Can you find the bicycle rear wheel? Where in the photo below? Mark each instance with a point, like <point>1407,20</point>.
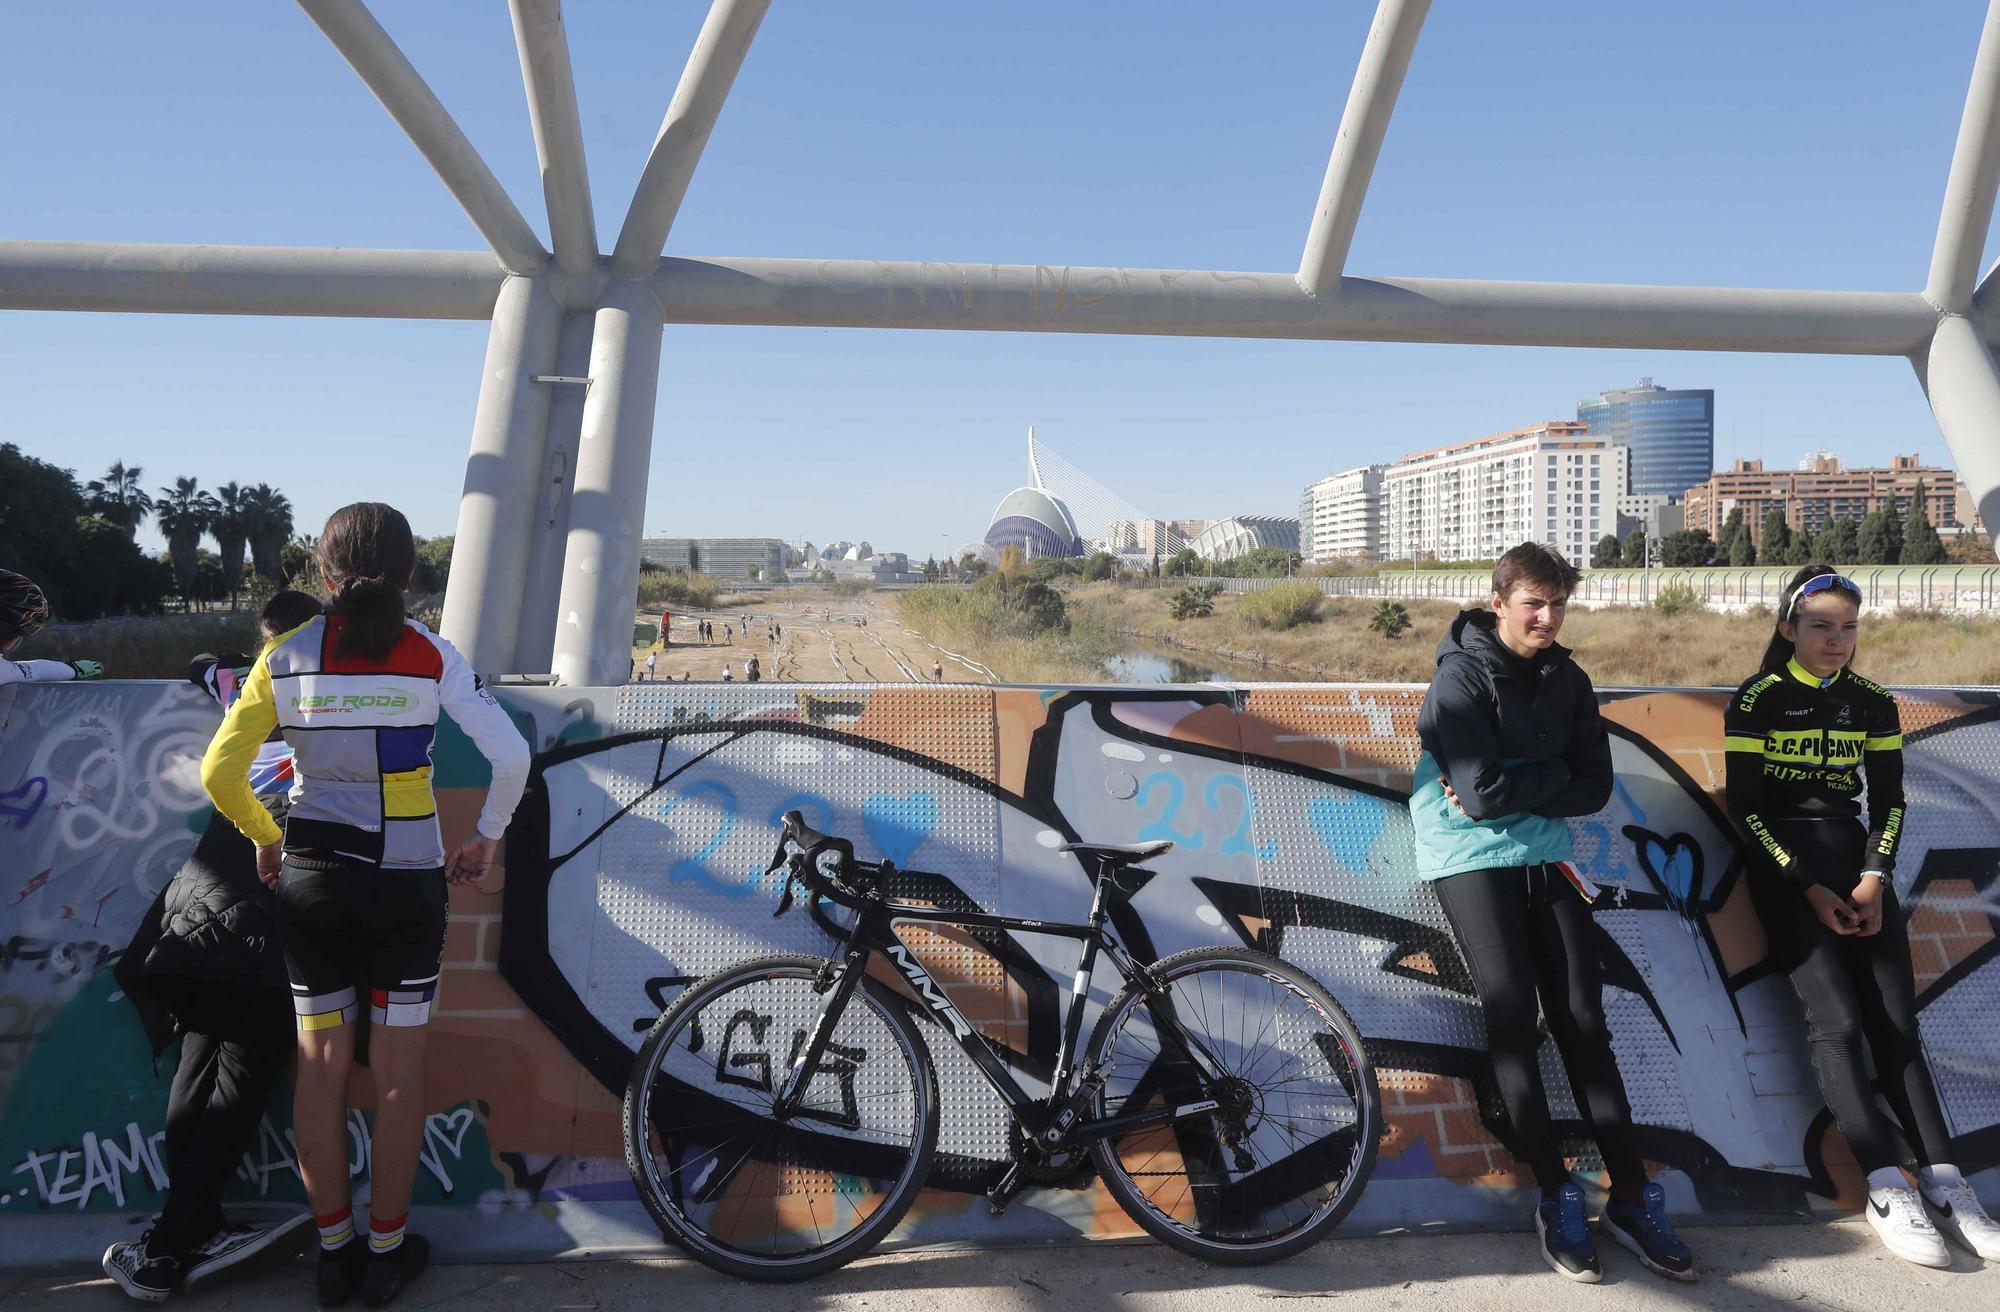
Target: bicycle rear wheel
<point>743,1191</point>
<point>1285,1156</point>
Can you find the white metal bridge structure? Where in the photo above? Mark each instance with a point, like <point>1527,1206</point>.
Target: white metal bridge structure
<point>547,560</point>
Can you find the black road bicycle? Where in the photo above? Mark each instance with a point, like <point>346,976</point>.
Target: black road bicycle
<point>782,1113</point>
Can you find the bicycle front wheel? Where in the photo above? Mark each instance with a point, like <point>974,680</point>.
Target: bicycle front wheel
<point>737,1187</point>
<point>1285,1154</point>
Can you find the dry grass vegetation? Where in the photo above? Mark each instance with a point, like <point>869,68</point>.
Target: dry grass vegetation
<point>1624,647</point>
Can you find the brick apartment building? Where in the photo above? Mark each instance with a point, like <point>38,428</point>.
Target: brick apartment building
<point>1821,490</point>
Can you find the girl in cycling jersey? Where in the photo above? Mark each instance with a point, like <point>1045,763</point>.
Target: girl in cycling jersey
<point>360,867</point>
<point>1802,735</point>
<point>1512,747</point>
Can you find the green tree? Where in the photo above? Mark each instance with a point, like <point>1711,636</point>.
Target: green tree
<point>297,563</point>
<point>1196,601</point>
<point>1392,618</point>
<point>184,512</point>
<point>1876,543</point>
<point>1634,554</point>
<point>87,564</point>
<point>1799,551</point>
<point>1742,550</point>
<point>1606,554</point>
<point>1777,537</point>
<point>971,567</point>
<point>1685,548</point>
<point>433,571</point>
<point>267,519</point>
<point>1184,563</point>
<point>1921,543</point>
<point>1100,566</point>
<point>231,530</point>
<point>1837,543</point>
<point>118,498</point>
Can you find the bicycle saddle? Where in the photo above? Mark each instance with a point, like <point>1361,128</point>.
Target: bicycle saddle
<point>1118,855</point>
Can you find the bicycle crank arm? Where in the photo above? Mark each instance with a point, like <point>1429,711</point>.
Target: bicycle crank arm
<point>1111,1126</point>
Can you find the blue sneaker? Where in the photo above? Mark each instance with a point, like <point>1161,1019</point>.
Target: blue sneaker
<point>1565,1236</point>
<point>1643,1227</point>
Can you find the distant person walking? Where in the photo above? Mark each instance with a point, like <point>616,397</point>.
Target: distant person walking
<point>728,634</point>
<point>751,670</point>
<point>652,664</point>
<point>937,671</point>
<point>728,675</point>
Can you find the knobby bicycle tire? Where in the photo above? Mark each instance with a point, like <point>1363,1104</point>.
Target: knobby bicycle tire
<point>1176,1217</point>
<point>650,1120</point>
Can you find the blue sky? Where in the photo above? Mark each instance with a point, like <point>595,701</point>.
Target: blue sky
<point>1755,144</point>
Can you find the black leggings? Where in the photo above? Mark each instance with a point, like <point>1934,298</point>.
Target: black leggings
<point>1860,1001</point>
<point>1528,937</point>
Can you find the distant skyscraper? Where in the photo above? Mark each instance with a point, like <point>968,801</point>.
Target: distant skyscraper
<point>1668,434</point>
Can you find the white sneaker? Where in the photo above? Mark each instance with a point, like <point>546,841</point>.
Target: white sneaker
<point>1958,1213</point>
<point>1899,1218</point>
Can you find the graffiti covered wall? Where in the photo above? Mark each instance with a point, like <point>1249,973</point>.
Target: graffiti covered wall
<point>636,864</point>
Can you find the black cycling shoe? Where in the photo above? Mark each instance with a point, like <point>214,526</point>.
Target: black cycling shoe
<point>1565,1236</point>
<point>339,1272</point>
<point>389,1272</point>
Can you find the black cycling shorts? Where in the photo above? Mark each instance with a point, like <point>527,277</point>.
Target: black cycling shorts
<point>350,928</point>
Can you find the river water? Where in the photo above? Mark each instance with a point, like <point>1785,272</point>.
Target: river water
<point>1144,665</point>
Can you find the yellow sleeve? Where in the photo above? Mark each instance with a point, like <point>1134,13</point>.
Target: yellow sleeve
<point>225,769</point>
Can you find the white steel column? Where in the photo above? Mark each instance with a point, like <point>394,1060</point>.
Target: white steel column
<point>534,648</point>
<point>482,603</point>
<point>1964,389</point>
<point>551,87</point>
<point>1968,189</point>
<point>1371,102</point>
<point>600,584</point>
<point>711,70</point>
<point>417,110</point>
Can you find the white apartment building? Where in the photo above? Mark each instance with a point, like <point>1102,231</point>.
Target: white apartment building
<point>1551,482</point>
<point>1341,515</point>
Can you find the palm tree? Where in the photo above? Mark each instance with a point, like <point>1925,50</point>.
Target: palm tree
<point>117,498</point>
<point>184,512</point>
<point>267,520</point>
<point>230,527</point>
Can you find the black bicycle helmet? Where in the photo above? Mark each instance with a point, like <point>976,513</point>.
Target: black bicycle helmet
<point>23,608</point>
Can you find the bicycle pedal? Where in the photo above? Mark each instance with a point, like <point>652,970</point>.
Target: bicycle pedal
<point>1003,1193</point>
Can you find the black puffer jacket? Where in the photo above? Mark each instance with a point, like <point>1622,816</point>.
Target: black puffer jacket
<point>1514,735</point>
<point>208,943</point>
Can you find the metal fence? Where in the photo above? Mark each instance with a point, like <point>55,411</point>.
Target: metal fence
<point>1952,589</point>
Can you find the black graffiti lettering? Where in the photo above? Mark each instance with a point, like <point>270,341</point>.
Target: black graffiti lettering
<point>728,1059</point>
<point>656,993</point>
<point>842,1063</point>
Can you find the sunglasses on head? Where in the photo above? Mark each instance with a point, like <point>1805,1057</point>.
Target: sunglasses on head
<point>1819,583</point>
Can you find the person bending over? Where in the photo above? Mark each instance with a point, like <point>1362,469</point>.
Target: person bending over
<point>205,966</point>
<point>23,613</point>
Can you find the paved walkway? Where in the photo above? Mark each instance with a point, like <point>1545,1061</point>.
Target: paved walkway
<point>1829,1265</point>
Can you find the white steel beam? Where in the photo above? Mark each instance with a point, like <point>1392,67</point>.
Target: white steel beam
<point>142,278</point>
<point>1969,188</point>
<point>1210,303</point>
<point>711,70</point>
<point>410,101</point>
<point>607,512</point>
<point>551,87</point>
<point>1371,102</point>
<point>534,648</point>
<point>1964,389</point>
<point>503,473</point>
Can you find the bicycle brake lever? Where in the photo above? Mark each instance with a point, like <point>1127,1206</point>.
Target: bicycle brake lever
<point>785,899</point>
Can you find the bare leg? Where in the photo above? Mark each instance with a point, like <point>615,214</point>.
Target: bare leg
<point>396,1058</point>
<point>319,1115</point>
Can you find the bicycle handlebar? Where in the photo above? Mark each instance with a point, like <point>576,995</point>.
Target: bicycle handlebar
<point>801,847</point>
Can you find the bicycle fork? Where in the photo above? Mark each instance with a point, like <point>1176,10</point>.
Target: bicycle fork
<point>839,985</point>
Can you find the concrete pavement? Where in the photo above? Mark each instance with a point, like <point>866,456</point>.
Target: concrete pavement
<point>1830,1265</point>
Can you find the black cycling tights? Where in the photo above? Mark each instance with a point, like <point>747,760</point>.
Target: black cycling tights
<point>1860,1002</point>
<point>1528,937</point>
